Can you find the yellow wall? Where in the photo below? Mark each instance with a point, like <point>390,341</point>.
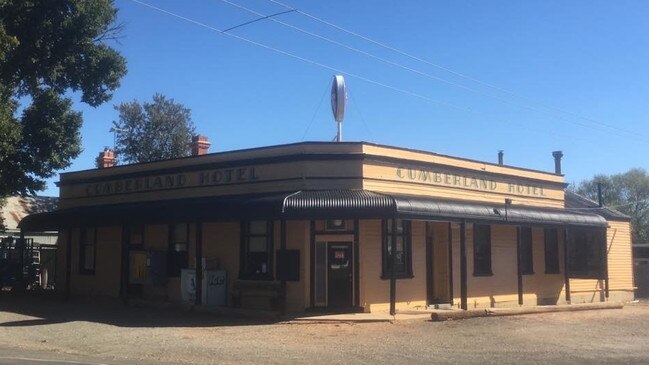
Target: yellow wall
<point>542,288</point>
<point>106,279</point>
<point>298,238</point>
<point>501,289</point>
<point>374,291</point>
<point>221,241</point>
<point>620,270</point>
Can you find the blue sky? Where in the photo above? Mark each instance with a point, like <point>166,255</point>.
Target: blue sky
<point>571,76</point>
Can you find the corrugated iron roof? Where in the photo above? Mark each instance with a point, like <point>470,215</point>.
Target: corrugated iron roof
<point>18,207</point>
<point>339,204</point>
<point>422,207</point>
<point>576,201</point>
<point>318,204</point>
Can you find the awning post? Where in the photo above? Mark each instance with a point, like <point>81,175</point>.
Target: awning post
<point>125,262</point>
<point>450,261</point>
<point>282,270</point>
<point>566,265</point>
<point>463,275</point>
<point>393,279</point>
<point>198,300</point>
<point>605,259</point>
<point>68,264</point>
<point>519,271</point>
<point>357,272</point>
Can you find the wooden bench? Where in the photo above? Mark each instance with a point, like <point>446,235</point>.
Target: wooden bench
<point>256,294</point>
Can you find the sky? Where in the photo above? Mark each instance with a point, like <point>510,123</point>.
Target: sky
<point>461,78</point>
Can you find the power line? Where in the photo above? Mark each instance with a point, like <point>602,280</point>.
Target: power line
<point>464,76</point>
<point>315,63</point>
<point>315,112</point>
<point>418,72</point>
<point>303,59</point>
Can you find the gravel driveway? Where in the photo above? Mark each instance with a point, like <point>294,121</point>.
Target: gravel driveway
<point>112,333</point>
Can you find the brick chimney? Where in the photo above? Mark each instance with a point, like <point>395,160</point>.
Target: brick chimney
<point>200,144</point>
<point>106,159</point>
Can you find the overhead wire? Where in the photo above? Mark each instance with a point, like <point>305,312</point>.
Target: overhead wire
<point>464,76</point>
<point>315,63</point>
<point>315,112</point>
<point>303,59</point>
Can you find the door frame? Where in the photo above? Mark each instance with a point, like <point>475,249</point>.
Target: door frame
<point>430,265</point>
<point>328,237</point>
<point>349,246</point>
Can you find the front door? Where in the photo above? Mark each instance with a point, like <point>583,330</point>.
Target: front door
<point>438,263</point>
<point>339,275</point>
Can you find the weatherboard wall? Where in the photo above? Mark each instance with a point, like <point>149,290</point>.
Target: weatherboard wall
<point>620,270</point>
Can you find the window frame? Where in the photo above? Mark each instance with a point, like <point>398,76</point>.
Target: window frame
<point>386,242</point>
<point>83,244</point>
<point>586,256</point>
<point>477,270</point>
<point>551,269</point>
<point>175,261</point>
<point>244,261</point>
<point>526,251</point>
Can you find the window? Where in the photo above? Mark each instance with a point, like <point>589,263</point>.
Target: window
<point>87,247</point>
<point>256,249</point>
<point>585,253</point>
<point>136,235</point>
<point>402,252</point>
<point>551,251</point>
<point>527,258</point>
<point>177,256</point>
<point>481,250</point>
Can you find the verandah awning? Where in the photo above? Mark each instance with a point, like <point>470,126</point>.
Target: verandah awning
<point>319,204</point>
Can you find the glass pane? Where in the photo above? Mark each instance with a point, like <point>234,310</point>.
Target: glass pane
<point>137,235</point>
<point>399,243</point>
<point>180,247</point>
<point>257,244</point>
<point>257,263</point>
<point>89,257</point>
<point>90,235</point>
<point>399,225</point>
<point>320,273</point>
<point>399,259</point>
<point>180,232</point>
<point>257,227</point>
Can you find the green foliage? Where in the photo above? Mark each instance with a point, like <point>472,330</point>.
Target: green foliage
<point>153,131</point>
<point>48,48</point>
<point>628,193</point>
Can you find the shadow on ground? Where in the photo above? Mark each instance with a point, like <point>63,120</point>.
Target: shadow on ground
<point>51,309</point>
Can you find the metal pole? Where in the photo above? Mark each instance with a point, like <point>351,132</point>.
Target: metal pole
<point>283,269</point>
<point>339,135</point>
<point>68,264</point>
<point>463,276</point>
<point>199,263</point>
<point>519,271</point>
<point>393,278</point>
<point>605,262</point>
<point>566,265</point>
<point>450,262</point>
<point>125,261</point>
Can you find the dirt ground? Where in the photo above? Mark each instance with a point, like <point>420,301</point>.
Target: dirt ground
<point>112,333</point>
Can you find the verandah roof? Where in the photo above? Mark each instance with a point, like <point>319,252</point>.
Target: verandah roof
<point>319,204</point>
